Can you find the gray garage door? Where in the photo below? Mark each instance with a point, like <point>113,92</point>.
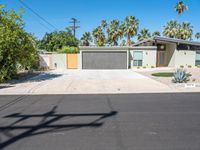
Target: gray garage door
<point>104,60</point>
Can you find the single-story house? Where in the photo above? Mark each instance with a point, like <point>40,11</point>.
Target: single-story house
<point>153,52</point>
<point>172,52</point>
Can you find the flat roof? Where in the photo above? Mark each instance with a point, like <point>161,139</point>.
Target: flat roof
<point>170,40</point>
<point>104,48</point>
<point>117,48</point>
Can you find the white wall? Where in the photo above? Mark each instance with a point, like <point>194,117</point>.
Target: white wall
<point>79,61</point>
<point>149,58</point>
<point>185,58</point>
<point>60,60</point>
<point>45,61</point>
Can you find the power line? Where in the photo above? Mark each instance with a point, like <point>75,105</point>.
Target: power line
<point>44,26</point>
<point>74,27</point>
<point>43,19</point>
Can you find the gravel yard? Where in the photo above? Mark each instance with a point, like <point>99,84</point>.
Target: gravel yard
<point>195,78</point>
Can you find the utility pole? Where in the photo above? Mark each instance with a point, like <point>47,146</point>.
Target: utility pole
<point>74,22</point>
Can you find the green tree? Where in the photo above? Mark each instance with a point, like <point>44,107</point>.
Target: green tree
<point>180,7</point>
<point>131,26</point>
<point>58,39</point>
<point>172,29</point>
<point>123,43</point>
<point>181,31</point>
<point>86,39</point>
<point>99,36</point>
<point>186,31</point>
<point>114,32</point>
<point>104,24</point>
<point>69,50</point>
<point>156,33</point>
<point>197,35</point>
<point>17,47</point>
<point>144,34</point>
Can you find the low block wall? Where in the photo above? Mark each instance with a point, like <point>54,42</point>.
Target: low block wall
<point>59,61</point>
<point>45,61</point>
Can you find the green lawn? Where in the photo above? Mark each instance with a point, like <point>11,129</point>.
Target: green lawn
<point>163,74</point>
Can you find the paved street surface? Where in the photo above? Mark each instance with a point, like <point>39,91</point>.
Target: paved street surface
<point>100,122</point>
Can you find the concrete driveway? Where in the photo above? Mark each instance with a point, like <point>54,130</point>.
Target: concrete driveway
<point>86,82</point>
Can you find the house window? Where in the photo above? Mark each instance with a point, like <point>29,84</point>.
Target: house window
<point>197,58</point>
<point>137,58</point>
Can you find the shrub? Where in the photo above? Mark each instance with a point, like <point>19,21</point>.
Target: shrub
<point>189,66</point>
<point>17,47</point>
<point>69,50</point>
<point>181,76</point>
<point>181,66</point>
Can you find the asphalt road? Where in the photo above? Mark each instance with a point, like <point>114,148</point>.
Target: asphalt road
<point>100,122</point>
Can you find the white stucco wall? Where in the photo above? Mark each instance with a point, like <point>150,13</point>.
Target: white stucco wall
<point>60,60</point>
<point>45,61</point>
<point>79,61</point>
<point>185,58</point>
<point>149,58</point>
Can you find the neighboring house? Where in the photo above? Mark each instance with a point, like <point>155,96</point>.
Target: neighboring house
<point>153,52</point>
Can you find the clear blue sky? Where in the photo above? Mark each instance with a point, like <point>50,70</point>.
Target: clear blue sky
<point>153,14</point>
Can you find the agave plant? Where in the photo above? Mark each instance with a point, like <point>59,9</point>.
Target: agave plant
<point>181,76</point>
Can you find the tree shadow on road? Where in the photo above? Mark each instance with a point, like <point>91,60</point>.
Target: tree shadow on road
<point>48,123</point>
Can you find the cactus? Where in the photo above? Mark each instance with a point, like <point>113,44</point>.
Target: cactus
<point>181,76</point>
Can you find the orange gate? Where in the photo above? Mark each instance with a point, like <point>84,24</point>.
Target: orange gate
<point>72,61</point>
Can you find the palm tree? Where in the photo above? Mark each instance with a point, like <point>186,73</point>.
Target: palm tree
<point>144,34</point>
<point>197,35</point>
<point>171,29</point>
<point>114,32</point>
<point>86,39</point>
<point>123,43</point>
<point>104,24</point>
<point>186,31</point>
<point>99,36</point>
<point>131,26</point>
<point>180,7</point>
<point>156,33</point>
